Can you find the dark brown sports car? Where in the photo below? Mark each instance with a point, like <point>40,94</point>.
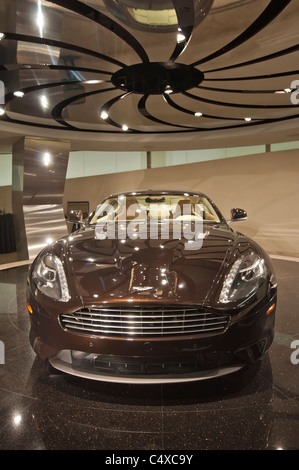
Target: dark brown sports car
<point>153,287</point>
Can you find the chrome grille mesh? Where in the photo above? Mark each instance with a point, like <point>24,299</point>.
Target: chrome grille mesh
<point>144,321</point>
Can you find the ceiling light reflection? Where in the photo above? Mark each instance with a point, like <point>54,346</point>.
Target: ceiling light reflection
<point>2,111</point>
<point>19,94</point>
<point>17,419</point>
<point>92,82</point>
<point>44,101</point>
<point>2,36</point>
<point>40,18</point>
<point>47,159</point>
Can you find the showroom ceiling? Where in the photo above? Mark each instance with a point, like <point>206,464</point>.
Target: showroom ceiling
<point>150,74</point>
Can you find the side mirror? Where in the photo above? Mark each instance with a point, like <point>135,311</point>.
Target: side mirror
<point>237,215</point>
<point>75,217</point>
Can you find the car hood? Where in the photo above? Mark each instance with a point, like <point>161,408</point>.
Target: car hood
<point>150,270</point>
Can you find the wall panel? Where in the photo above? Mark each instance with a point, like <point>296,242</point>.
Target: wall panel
<point>266,185</point>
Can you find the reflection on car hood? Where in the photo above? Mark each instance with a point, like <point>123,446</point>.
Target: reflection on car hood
<point>113,270</point>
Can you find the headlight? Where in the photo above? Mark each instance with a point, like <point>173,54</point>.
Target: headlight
<point>244,278</point>
<point>49,277</point>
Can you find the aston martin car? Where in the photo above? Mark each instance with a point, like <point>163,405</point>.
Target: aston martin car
<point>154,286</point>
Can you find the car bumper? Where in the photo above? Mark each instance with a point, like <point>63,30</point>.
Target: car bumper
<point>138,370</point>
<point>157,360</point>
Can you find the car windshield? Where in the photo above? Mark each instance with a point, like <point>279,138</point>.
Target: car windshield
<point>157,208</point>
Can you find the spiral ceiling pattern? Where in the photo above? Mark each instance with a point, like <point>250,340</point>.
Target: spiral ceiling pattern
<point>150,72</point>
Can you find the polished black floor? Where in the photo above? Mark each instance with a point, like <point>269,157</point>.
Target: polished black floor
<point>257,408</point>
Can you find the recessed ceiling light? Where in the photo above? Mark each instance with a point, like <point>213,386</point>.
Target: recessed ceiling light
<point>180,36</point>
<point>104,115</point>
<point>282,92</point>
<point>2,111</point>
<point>248,119</point>
<point>2,36</point>
<point>198,114</point>
<point>168,89</point>
<point>19,94</point>
<point>124,127</point>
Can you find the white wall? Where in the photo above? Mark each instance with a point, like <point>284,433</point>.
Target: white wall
<point>6,170</point>
<point>266,185</point>
<point>101,163</point>
<point>87,163</point>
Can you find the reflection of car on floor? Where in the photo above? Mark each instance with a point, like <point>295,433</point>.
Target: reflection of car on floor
<point>154,287</point>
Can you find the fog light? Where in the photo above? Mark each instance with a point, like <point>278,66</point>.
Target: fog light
<point>253,352</point>
<point>270,309</point>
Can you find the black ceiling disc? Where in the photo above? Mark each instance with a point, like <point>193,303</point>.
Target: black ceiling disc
<point>152,78</point>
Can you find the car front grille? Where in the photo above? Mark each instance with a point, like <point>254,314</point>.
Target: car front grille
<point>144,321</point>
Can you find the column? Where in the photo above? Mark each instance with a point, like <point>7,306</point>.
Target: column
<point>39,171</point>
